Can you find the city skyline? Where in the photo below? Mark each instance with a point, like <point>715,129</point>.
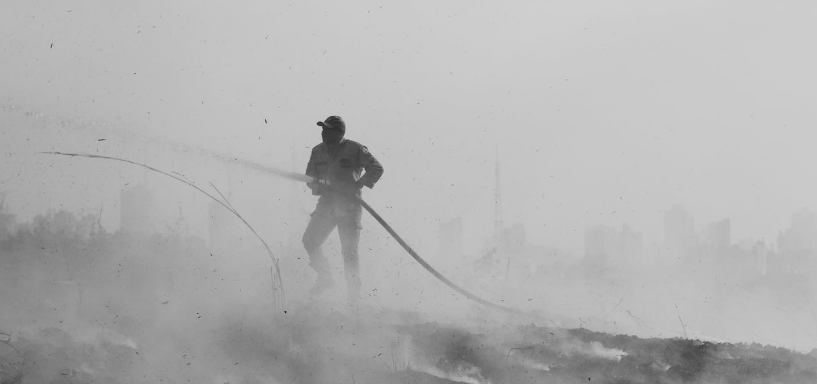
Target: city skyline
<point>698,232</point>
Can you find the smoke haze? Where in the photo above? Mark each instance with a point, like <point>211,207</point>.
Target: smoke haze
<point>651,160</point>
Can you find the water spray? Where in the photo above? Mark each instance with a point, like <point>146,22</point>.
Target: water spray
<point>279,299</point>
<point>304,178</point>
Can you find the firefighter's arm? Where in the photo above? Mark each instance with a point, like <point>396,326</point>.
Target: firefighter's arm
<point>373,169</point>
<point>315,184</point>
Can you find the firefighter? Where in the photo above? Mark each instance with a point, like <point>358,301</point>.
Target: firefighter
<point>340,168</point>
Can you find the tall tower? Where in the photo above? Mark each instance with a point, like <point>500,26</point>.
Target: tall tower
<point>498,225</point>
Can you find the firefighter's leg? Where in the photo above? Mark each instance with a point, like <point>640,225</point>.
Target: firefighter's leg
<point>349,233</point>
<point>316,233</point>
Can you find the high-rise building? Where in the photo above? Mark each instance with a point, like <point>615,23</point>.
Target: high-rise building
<point>717,239</point>
<point>630,247</point>
<point>679,232</point>
<point>601,243</point>
<point>759,255</point>
<point>802,235</point>
<point>797,246</point>
<point>605,246</point>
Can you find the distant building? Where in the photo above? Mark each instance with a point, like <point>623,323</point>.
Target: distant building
<point>797,246</point>
<point>605,246</point>
<point>802,235</point>
<point>630,246</point>
<point>717,239</point>
<point>759,256</point>
<point>601,244</point>
<point>680,240</point>
<point>136,205</point>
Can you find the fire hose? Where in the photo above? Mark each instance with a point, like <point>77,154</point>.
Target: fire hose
<point>359,200</point>
<point>300,177</point>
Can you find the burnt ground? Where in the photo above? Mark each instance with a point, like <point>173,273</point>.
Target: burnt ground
<point>311,344</point>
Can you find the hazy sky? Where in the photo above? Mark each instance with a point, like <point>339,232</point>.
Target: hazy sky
<point>602,112</point>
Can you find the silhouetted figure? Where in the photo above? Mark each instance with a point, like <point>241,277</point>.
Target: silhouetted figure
<point>336,166</point>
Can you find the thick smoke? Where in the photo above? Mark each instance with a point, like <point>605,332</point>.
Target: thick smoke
<point>84,303</point>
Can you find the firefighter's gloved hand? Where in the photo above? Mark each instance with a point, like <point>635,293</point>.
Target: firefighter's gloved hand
<point>323,183</point>
<point>319,186</point>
